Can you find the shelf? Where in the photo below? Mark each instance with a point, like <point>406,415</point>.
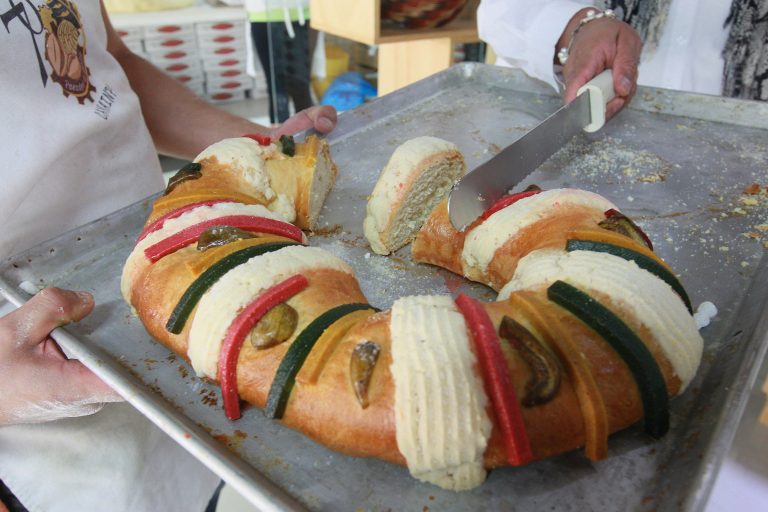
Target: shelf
<point>360,20</point>
<point>405,55</point>
<point>177,16</point>
<point>461,30</point>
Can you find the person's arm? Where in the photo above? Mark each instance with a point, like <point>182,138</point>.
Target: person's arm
<point>524,33</point>
<point>39,383</point>
<point>181,124</point>
<point>598,45</point>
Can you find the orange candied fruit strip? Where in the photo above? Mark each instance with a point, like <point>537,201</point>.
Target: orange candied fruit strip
<point>608,237</point>
<point>205,259</point>
<point>590,399</point>
<point>326,345</point>
<point>165,204</point>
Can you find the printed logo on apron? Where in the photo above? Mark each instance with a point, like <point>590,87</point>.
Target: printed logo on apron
<point>65,48</point>
<point>64,43</point>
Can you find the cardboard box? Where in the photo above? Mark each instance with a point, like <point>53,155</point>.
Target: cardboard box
<point>170,30</point>
<point>182,42</point>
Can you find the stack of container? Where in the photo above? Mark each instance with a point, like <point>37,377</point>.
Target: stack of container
<point>208,56</point>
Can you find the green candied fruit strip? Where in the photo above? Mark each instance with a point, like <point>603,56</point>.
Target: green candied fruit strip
<point>297,353</point>
<point>288,145</point>
<point>642,261</point>
<point>639,360</point>
<point>199,286</point>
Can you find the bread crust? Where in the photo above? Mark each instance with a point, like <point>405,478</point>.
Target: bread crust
<point>299,178</point>
<point>293,177</point>
<point>397,205</point>
<point>327,409</point>
<point>439,243</point>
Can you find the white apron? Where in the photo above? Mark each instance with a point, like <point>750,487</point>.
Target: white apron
<point>74,148</point>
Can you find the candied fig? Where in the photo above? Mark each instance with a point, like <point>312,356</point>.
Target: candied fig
<point>221,235</point>
<point>619,223</point>
<point>191,171</point>
<point>275,327</point>
<point>361,366</point>
<point>545,368</point>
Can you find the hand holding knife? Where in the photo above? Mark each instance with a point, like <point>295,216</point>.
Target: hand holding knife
<point>487,183</point>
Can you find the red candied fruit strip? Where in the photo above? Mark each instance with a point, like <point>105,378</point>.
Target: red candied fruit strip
<point>158,224</point>
<point>497,379</point>
<point>243,323</point>
<point>506,201</point>
<point>264,140</point>
<point>246,222</point>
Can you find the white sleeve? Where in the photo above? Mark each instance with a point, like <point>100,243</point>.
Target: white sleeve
<point>523,34</point>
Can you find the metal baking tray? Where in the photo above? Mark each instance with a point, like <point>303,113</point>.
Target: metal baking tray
<point>676,162</point>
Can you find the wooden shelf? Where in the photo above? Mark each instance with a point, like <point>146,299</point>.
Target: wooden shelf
<point>461,30</point>
<point>405,55</point>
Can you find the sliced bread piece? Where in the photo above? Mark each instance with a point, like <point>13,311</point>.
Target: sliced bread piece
<point>306,178</point>
<point>419,174</point>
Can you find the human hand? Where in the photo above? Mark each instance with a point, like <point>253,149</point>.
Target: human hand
<point>602,44</point>
<point>39,383</point>
<point>320,117</point>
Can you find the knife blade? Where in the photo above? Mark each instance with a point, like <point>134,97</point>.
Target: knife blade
<point>487,183</point>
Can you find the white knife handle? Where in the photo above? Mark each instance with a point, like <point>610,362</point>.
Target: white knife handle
<point>600,91</point>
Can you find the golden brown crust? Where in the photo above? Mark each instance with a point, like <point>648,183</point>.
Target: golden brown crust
<point>328,411</point>
<point>558,425</point>
<point>214,183</point>
<point>439,243</point>
<point>295,177</point>
<point>549,232</point>
<point>327,289</point>
<point>334,419</point>
<point>292,177</point>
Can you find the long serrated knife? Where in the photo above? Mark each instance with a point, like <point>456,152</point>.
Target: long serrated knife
<point>487,183</point>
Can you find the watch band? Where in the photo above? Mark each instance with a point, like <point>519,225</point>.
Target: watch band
<point>592,15</point>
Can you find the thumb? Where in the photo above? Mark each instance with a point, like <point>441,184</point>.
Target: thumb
<point>51,308</point>
<point>321,117</point>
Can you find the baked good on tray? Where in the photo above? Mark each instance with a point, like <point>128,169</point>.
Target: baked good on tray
<point>592,331</point>
<point>409,187</point>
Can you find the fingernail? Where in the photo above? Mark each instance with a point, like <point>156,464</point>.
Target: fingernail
<point>324,124</point>
<point>626,85</point>
<point>85,297</point>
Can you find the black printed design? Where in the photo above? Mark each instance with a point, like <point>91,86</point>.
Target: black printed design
<point>648,17</point>
<point>64,45</point>
<point>745,74</point>
<point>19,13</point>
<point>746,52</point>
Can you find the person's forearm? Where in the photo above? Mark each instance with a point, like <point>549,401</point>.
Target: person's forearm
<point>525,34</point>
<point>181,124</point>
<point>569,30</point>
